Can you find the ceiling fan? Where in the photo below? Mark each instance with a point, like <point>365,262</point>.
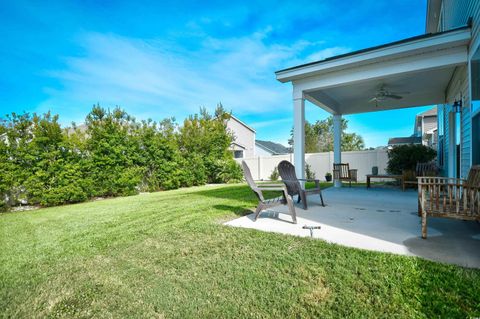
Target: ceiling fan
<point>384,94</point>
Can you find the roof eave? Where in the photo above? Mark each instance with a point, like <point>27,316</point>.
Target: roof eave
<point>404,47</point>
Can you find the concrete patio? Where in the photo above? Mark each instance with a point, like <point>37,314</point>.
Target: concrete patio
<point>380,219</point>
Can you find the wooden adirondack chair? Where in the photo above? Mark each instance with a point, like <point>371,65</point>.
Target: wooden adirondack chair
<point>450,197</point>
<point>289,178</point>
<point>342,172</point>
<point>268,203</point>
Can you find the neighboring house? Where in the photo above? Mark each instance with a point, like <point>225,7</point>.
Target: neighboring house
<point>440,67</point>
<point>244,143</point>
<point>426,127</point>
<point>424,131</point>
<point>395,141</point>
<point>267,148</point>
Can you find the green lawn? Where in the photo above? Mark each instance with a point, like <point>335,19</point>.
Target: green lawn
<point>167,255</point>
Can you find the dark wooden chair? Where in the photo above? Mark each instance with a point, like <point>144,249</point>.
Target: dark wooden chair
<point>268,203</point>
<point>342,172</point>
<point>450,197</point>
<point>289,178</point>
<point>421,169</point>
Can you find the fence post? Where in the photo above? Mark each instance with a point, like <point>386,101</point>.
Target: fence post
<point>259,168</point>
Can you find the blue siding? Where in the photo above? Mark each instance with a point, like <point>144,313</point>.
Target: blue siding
<point>455,13</point>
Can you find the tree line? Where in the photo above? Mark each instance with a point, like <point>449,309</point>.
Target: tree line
<point>112,154</point>
<point>319,137</point>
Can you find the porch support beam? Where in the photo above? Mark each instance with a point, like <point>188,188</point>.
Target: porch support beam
<point>337,142</point>
<point>299,136</point>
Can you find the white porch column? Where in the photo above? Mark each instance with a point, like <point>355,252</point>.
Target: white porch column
<point>337,142</point>
<point>299,136</point>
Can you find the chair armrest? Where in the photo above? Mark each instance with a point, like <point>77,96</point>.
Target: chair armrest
<point>280,189</point>
<point>270,185</point>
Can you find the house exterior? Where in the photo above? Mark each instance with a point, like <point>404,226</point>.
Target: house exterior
<point>424,131</point>
<point>440,67</point>
<point>459,117</point>
<point>244,144</point>
<point>426,127</point>
<point>268,148</point>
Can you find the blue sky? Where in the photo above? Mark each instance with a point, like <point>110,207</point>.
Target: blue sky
<point>159,59</point>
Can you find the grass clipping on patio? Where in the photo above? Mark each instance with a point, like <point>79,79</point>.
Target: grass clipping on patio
<point>167,255</point>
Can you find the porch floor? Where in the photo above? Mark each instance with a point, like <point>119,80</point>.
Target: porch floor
<point>379,219</point>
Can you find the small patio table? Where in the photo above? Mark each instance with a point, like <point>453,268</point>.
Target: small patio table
<point>399,177</point>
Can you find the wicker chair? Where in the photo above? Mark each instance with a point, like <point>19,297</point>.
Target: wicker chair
<point>268,203</point>
<point>450,197</point>
<point>287,172</point>
<point>342,172</point>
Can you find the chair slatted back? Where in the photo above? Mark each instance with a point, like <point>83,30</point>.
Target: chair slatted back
<point>289,178</point>
<point>341,171</point>
<point>426,169</point>
<point>473,179</point>
<point>249,179</point>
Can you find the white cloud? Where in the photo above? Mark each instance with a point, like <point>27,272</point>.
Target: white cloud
<point>155,78</point>
<point>327,53</point>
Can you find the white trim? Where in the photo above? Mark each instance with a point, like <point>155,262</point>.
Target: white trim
<point>414,47</point>
<point>241,122</point>
<point>382,69</point>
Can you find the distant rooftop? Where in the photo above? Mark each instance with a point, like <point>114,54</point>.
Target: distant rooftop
<point>431,112</point>
<point>405,140</point>
<point>275,148</point>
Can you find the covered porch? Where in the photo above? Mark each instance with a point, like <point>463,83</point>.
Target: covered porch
<point>413,72</point>
<point>378,219</point>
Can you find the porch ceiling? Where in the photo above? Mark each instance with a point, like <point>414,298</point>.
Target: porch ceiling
<point>417,89</point>
<point>422,66</point>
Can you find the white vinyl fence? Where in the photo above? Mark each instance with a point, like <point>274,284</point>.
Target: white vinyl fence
<point>321,163</point>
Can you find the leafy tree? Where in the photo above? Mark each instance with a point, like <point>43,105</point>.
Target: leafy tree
<point>112,151</point>
<point>41,163</point>
<point>319,137</point>
<point>205,138</point>
<point>158,155</point>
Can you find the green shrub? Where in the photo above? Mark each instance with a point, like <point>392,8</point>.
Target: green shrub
<point>41,163</point>
<point>406,157</point>
<point>228,171</point>
<point>274,175</point>
<point>308,172</point>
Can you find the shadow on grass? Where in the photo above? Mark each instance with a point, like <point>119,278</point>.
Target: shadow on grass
<point>237,210</point>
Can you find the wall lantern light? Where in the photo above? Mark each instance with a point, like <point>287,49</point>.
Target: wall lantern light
<point>457,106</point>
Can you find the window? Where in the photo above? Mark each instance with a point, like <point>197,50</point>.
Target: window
<point>238,154</point>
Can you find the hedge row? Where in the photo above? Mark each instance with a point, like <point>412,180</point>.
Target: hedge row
<point>42,163</point>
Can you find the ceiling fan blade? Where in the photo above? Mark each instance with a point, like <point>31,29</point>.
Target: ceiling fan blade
<point>393,96</point>
<point>399,92</point>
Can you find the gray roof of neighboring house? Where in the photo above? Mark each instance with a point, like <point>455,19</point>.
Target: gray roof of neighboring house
<point>405,140</point>
<point>272,147</point>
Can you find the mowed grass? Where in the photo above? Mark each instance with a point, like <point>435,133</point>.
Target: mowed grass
<point>167,255</point>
